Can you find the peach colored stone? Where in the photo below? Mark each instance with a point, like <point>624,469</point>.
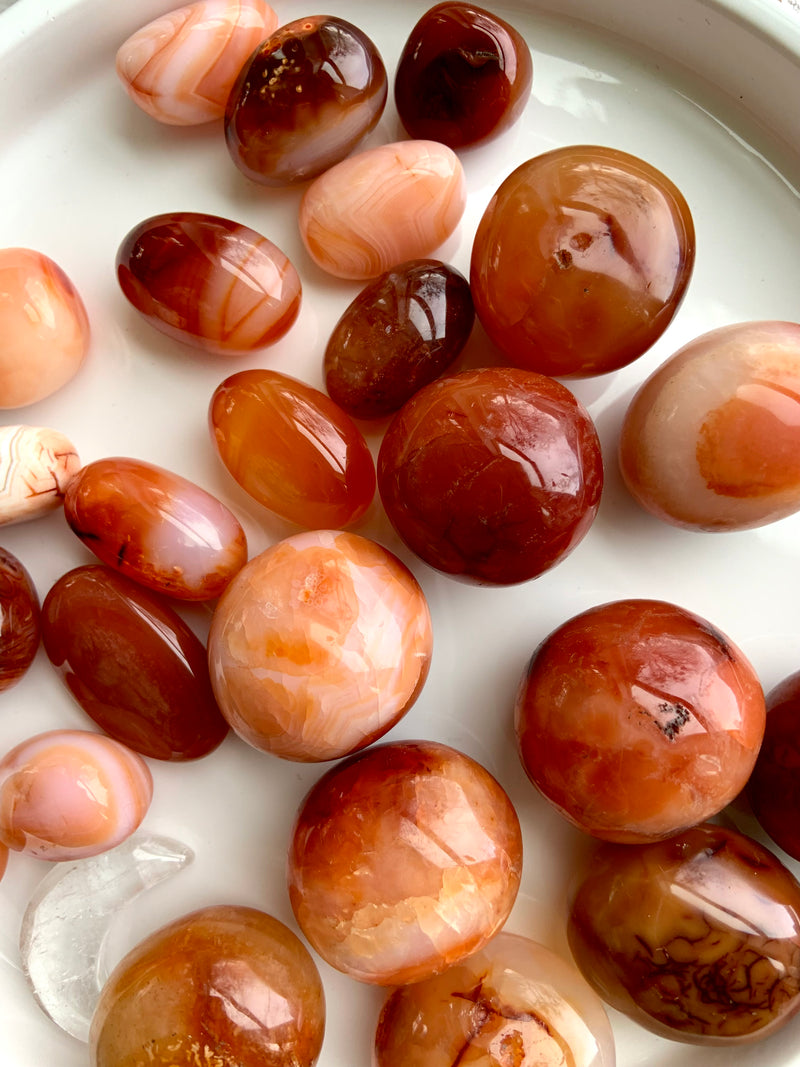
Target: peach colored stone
<point>36,466</point>
<point>180,68</point>
<point>381,207</point>
<point>44,328</point>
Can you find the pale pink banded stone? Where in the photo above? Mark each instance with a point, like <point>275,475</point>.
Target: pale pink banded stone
<point>36,466</point>
<point>66,794</point>
<point>181,67</point>
<point>382,207</point>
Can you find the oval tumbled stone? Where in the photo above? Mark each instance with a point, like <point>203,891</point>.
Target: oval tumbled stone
<point>36,466</point>
<point>133,665</point>
<point>156,527</point>
<point>19,620</point>
<point>381,207</point>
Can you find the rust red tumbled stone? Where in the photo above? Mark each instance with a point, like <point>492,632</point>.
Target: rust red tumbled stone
<point>292,449</point>
<point>637,719</point>
<point>209,282</point>
<point>464,75</point>
<point>774,786</point>
<point>581,260</point>
<point>492,475</point>
<point>132,663</point>
<point>19,620</point>
<point>156,527</point>
<point>304,100</point>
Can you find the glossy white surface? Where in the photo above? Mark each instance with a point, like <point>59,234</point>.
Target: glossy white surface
<point>80,165</point>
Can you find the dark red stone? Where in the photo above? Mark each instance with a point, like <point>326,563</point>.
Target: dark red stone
<point>774,786</point>
<point>19,620</point>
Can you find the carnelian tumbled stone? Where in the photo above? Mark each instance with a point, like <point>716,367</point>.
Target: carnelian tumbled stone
<point>581,260</point>
<point>711,441</point>
<point>132,663</point>
<point>19,620</point>
<point>491,475</point>
<point>304,100</point>
<point>696,938</point>
<point>637,719</point>
<point>405,859</point>
<point>774,786</point>
<point>209,282</point>
<point>292,449</point>
<point>464,75</point>
<point>221,986</point>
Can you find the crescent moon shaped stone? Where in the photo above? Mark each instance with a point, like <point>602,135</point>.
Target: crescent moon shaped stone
<point>36,466</point>
<point>180,68</point>
<point>382,207</point>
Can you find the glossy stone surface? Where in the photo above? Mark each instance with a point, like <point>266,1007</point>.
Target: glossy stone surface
<point>44,328</point>
<point>349,215</point>
<point>696,938</point>
<point>222,985</point>
<point>464,76</point>
<point>402,331</point>
<point>66,794</point>
<point>513,1003</point>
<point>711,440</point>
<point>304,100</point>
<point>292,449</point>
<point>19,620</point>
<point>581,260</point>
<point>637,719</point>
<point>180,68</point>
<point>774,786</point>
<point>36,466</point>
<point>320,645</point>
<point>66,924</point>
<point>492,475</point>
<point>209,282</point>
<point>156,527</point>
<point>404,860</point>
<point>132,663</point>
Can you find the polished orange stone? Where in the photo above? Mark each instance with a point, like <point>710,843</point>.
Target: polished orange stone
<point>774,786</point>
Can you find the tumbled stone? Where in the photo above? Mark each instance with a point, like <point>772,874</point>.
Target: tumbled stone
<point>20,629</point>
<point>36,466</point>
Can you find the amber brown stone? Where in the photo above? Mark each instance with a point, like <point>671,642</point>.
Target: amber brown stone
<point>581,260</point>
<point>774,786</point>
<point>19,620</point>
<point>224,985</point>
<point>401,332</point>
<point>304,100</point>
<point>464,76</point>
<point>696,938</point>
<point>132,664</point>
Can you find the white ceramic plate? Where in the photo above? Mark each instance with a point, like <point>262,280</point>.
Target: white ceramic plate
<point>707,92</point>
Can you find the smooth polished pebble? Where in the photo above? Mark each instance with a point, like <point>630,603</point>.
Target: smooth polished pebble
<point>180,68</point>
<point>156,527</point>
<point>292,449</point>
<point>304,100</point>
<point>221,986</point>
<point>711,441</point>
<point>349,215</point>
<point>637,719</point>
<point>44,327</point>
<point>66,794</point>
<point>405,859</point>
<point>319,646</point>
<point>132,663</point>
<point>20,628</point>
<point>773,788</point>
<point>209,282</point>
<point>36,466</point>
<point>696,938</point>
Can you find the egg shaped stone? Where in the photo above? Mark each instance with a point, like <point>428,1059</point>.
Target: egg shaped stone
<point>350,216</point>
<point>304,100</point>
<point>209,282</point>
<point>320,645</point>
<point>66,794</point>
<point>292,449</point>
<point>223,985</point>
<point>156,527</point>
<point>711,441</point>
<point>44,328</point>
<point>180,68</point>
<point>20,629</point>
<point>36,466</point>
<point>132,663</point>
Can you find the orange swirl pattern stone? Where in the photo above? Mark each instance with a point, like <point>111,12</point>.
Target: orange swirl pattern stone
<point>320,645</point>
<point>180,68</point>
<point>381,207</point>
<point>44,328</point>
<point>36,466</point>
